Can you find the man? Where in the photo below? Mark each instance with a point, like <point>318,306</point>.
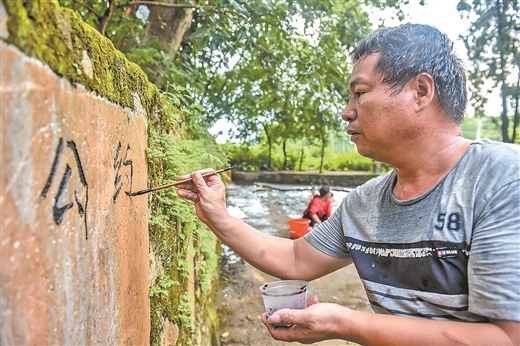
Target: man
<point>435,241</point>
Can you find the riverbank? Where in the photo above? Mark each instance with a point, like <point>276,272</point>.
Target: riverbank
<point>311,178</point>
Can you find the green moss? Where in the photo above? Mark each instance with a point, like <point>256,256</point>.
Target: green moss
<point>58,38</point>
<point>175,230</point>
<point>177,144</point>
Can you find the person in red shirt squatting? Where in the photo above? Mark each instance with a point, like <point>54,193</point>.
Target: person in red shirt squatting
<point>320,207</point>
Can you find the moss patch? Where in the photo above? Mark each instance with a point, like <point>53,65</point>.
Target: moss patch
<point>177,234</point>
<point>58,38</point>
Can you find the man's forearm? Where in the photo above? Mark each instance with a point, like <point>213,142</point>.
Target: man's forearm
<point>270,254</point>
<point>371,329</point>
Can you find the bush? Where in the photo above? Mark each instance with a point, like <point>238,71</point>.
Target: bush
<point>255,157</point>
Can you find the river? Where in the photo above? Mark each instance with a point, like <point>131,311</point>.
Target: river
<point>268,208</point>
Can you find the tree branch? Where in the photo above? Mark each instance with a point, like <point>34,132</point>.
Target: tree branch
<point>106,17</point>
<point>161,4</point>
<point>90,8</point>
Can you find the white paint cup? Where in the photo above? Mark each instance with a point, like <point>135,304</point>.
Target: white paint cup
<point>285,294</point>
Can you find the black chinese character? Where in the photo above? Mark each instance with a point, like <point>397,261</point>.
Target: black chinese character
<point>117,166</point>
<point>58,211</point>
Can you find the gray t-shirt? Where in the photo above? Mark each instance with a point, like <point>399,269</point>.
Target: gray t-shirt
<point>451,254</point>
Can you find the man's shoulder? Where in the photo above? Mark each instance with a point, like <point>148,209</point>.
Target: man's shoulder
<point>376,184</point>
<point>494,157</point>
<point>489,148</point>
<point>488,165</point>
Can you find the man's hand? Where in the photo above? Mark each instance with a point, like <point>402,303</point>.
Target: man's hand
<point>208,194</point>
<point>331,321</point>
<point>315,323</point>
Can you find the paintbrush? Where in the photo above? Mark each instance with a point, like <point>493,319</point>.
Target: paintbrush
<point>178,182</point>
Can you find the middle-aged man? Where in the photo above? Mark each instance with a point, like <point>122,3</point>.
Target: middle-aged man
<point>436,241</point>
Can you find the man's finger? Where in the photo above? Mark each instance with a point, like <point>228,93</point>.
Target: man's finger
<point>202,171</point>
<point>192,196</point>
<point>199,181</point>
<point>312,300</point>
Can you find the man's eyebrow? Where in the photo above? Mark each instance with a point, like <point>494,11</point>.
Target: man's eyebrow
<point>353,82</point>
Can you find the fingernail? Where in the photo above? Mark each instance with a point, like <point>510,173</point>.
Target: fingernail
<point>274,319</point>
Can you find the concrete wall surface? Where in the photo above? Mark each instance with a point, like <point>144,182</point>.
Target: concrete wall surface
<point>74,245</point>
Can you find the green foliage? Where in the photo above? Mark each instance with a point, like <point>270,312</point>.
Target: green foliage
<point>254,157</point>
<point>348,161</point>
<point>176,234</point>
<point>489,128</point>
<point>174,226</point>
<point>272,79</point>
<point>155,63</point>
<point>493,42</point>
<point>163,285</point>
<point>185,310</point>
<point>210,260</point>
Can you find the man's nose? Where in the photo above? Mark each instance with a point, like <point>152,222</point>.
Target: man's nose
<point>348,113</point>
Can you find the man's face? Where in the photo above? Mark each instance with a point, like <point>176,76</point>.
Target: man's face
<point>378,117</point>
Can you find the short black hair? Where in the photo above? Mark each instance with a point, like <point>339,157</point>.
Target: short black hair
<point>324,190</point>
<point>410,49</point>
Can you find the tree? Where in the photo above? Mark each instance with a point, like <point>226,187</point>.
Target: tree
<point>281,64</point>
<point>493,47</point>
<point>299,82</point>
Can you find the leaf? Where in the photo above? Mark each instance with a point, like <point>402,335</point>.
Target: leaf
<point>241,33</point>
<point>199,33</point>
<point>253,31</point>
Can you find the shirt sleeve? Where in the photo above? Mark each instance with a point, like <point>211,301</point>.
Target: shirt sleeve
<point>494,260</point>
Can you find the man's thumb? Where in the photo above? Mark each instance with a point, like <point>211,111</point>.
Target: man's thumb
<point>284,317</point>
<point>199,181</point>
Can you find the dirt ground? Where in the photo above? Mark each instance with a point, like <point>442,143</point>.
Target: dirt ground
<point>240,302</point>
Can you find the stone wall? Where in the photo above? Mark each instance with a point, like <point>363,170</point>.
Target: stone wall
<point>74,245</point>
<point>82,262</point>
<point>340,179</point>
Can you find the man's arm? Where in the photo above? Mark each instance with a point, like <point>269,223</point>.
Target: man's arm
<point>332,321</point>
<point>280,257</point>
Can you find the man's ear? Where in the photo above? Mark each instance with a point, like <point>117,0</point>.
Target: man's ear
<point>424,91</point>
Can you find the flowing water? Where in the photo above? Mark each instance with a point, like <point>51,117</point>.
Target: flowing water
<point>268,208</point>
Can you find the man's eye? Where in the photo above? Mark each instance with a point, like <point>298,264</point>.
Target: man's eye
<point>357,94</point>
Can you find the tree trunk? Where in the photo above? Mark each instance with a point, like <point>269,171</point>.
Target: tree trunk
<point>377,167</point>
<point>516,118</point>
<point>270,146</point>
<point>169,25</point>
<point>323,144</point>
<point>503,115</point>
<point>106,17</point>
<point>301,155</point>
<point>284,149</point>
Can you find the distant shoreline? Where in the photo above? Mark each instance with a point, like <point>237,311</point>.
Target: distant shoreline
<point>338,180</point>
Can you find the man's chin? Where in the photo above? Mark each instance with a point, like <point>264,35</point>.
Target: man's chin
<point>365,152</point>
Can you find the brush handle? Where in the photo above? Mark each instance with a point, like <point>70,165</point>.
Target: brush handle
<point>179,182</point>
